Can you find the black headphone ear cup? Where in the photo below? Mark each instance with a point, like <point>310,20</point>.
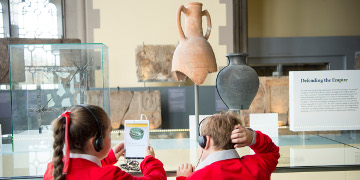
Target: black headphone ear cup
<point>99,144</point>
<point>202,141</point>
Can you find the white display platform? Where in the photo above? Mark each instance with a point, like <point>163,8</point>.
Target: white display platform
<point>267,123</point>
<point>324,100</point>
<point>323,156</point>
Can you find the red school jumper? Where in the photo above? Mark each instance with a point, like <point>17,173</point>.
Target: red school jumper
<point>83,169</point>
<point>250,167</point>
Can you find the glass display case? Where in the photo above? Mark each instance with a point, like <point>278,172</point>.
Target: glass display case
<point>48,79</point>
<point>175,142</point>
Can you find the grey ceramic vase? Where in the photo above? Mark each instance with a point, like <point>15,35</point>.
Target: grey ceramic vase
<point>237,83</point>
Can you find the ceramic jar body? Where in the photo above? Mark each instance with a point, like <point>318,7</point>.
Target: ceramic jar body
<point>194,56</point>
<point>238,83</point>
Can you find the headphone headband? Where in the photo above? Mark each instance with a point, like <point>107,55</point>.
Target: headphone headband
<point>99,142</point>
<point>200,124</point>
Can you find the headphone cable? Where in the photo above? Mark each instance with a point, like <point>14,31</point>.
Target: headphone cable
<point>199,159</point>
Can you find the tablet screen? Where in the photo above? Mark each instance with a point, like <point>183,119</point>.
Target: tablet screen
<point>136,138</point>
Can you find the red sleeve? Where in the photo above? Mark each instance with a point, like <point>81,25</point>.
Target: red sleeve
<point>180,177</point>
<point>266,150</point>
<point>152,168</point>
<point>110,159</point>
<point>49,172</point>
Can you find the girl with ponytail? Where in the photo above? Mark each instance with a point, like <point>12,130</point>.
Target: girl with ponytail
<point>84,132</point>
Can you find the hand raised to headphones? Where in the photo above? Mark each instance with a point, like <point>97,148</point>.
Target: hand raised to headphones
<point>241,136</point>
<point>119,150</point>
<point>184,170</point>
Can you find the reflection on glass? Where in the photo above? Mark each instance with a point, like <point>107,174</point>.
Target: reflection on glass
<point>47,79</point>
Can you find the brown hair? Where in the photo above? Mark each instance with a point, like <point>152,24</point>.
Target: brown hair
<point>82,127</point>
<point>219,127</point>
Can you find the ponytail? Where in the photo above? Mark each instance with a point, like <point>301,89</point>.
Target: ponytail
<point>59,140</point>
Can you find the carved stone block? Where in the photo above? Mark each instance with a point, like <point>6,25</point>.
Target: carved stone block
<point>119,104</point>
<point>94,98</point>
<point>4,62</point>
<point>278,96</point>
<point>148,103</point>
<point>272,97</point>
<point>357,61</point>
<point>154,62</point>
<point>126,105</point>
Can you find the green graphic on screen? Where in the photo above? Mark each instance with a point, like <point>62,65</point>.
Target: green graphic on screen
<point>136,133</point>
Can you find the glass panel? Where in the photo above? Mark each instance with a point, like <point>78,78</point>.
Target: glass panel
<point>105,80</point>
<point>36,18</point>
<point>48,79</point>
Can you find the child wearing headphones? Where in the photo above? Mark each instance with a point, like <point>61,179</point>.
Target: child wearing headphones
<point>85,132</point>
<point>219,135</point>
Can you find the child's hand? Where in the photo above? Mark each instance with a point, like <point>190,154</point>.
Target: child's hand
<point>149,151</point>
<point>241,136</point>
<point>119,150</point>
<point>184,170</point>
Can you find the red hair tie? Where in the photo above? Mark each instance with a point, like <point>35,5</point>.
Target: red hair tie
<point>66,114</point>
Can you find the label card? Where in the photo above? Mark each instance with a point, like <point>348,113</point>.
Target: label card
<point>177,99</point>
<point>324,100</point>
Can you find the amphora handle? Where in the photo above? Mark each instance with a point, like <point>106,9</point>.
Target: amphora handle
<point>181,32</point>
<point>208,29</point>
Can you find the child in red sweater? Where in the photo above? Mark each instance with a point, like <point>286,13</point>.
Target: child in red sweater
<point>85,132</point>
<point>219,135</point>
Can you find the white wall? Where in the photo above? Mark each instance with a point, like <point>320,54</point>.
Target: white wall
<point>124,25</point>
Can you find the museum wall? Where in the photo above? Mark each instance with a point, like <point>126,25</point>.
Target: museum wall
<point>125,25</point>
<point>294,18</point>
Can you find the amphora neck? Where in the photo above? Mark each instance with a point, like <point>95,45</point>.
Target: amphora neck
<point>193,19</point>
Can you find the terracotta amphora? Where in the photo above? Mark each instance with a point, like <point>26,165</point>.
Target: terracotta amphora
<point>193,57</point>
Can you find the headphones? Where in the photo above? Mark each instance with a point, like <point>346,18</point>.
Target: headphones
<point>99,141</point>
<point>202,139</point>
